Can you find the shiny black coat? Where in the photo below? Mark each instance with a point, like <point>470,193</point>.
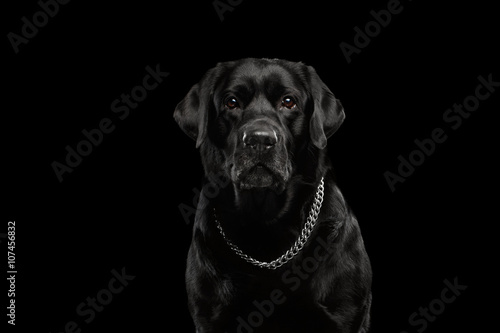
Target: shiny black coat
<point>262,127</point>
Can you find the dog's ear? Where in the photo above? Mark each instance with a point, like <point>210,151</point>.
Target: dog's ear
<point>192,112</point>
<point>328,113</point>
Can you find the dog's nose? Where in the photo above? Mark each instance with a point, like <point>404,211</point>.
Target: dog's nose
<point>260,139</point>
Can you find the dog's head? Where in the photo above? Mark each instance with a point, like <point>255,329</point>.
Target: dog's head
<point>256,115</point>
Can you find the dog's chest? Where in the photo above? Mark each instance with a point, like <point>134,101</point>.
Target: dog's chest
<point>281,287</point>
<point>273,305</point>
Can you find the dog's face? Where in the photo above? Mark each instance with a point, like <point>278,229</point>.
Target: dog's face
<point>260,114</point>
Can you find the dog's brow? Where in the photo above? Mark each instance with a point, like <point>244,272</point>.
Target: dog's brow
<point>278,84</point>
<point>243,86</point>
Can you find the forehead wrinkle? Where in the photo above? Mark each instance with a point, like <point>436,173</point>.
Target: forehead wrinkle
<point>243,87</point>
<point>274,85</point>
<point>235,83</point>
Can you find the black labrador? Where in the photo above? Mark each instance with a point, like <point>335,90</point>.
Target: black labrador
<point>275,248</point>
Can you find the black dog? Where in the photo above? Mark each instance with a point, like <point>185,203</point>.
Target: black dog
<point>275,250</point>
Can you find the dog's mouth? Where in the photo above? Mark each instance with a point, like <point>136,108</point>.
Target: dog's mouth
<point>261,176</point>
<point>258,176</point>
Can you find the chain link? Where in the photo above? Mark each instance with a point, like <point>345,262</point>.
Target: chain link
<point>297,246</point>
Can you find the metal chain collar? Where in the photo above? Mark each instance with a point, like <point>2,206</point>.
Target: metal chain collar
<point>299,243</point>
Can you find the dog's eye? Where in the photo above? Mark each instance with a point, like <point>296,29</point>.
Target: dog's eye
<point>232,103</point>
<point>288,102</point>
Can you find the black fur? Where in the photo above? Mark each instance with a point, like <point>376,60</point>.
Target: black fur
<point>327,287</point>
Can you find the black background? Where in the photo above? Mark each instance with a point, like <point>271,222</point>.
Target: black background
<point>119,207</point>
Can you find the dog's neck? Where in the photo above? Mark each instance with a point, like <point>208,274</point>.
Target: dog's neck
<point>259,204</point>
<point>262,206</point>
<point>267,223</point>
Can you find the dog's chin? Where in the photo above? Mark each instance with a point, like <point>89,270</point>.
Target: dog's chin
<point>260,177</point>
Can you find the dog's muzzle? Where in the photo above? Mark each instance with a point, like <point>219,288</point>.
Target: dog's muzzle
<point>261,158</point>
